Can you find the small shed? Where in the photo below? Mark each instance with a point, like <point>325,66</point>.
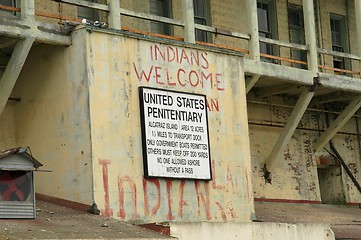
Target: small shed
<point>17,192</point>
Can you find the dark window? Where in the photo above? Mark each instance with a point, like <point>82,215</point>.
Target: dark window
<point>88,13</point>
<point>267,25</point>
<point>339,40</point>
<point>9,3</point>
<point>161,8</point>
<point>297,34</point>
<point>202,16</point>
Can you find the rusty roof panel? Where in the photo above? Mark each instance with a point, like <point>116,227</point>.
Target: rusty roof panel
<point>20,151</point>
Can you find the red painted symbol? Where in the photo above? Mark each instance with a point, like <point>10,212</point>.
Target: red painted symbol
<point>14,186</point>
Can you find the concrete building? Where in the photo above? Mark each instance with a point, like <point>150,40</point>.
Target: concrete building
<point>282,93</point>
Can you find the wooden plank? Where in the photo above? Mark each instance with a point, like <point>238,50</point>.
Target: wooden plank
<point>290,127</point>
<point>336,125</point>
<point>13,70</point>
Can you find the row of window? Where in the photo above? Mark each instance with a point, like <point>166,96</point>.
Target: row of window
<point>266,11</point>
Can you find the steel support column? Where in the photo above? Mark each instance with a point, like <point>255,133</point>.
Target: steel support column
<point>13,70</point>
<point>290,127</point>
<point>336,125</point>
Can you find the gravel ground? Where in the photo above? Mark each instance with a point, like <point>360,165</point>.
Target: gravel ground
<point>56,222</point>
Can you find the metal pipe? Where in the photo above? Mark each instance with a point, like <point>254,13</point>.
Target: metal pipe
<point>358,136</point>
<point>338,157</point>
<point>344,165</point>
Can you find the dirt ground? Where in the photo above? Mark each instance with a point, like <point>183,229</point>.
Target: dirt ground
<point>345,221</point>
<point>56,222</point>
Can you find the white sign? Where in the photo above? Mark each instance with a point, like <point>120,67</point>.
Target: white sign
<point>175,134</point>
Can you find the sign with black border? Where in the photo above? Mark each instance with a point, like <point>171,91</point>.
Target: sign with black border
<point>175,136</point>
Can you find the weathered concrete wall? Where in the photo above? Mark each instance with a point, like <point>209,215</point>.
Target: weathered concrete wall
<point>118,65</point>
<point>7,127</point>
<point>52,118</point>
<point>251,231</point>
<point>348,145</point>
<point>295,174</point>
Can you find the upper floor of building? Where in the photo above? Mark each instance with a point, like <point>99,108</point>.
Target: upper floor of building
<point>284,41</point>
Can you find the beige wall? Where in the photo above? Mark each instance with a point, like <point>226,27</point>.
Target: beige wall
<point>52,118</point>
<point>294,174</point>
<point>120,189</point>
<point>7,127</point>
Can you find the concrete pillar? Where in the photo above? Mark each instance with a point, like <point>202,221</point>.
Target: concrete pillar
<point>290,127</point>
<point>114,14</point>
<point>13,69</point>
<point>358,27</point>
<point>27,9</point>
<point>310,34</point>
<point>336,125</point>
<point>252,21</point>
<point>188,16</point>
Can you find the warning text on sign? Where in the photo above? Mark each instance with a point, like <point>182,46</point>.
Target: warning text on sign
<point>175,134</point>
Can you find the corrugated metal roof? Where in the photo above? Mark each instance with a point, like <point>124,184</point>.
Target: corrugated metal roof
<point>20,151</point>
